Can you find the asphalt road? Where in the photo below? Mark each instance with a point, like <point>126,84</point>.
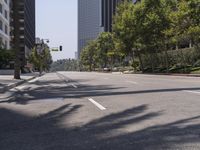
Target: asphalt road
<point>96,111</point>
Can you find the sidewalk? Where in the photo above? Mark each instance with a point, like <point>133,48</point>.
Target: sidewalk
<point>7,81</point>
<point>165,74</point>
<point>177,74</point>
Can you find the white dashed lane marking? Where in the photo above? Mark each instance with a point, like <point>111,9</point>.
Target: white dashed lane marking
<point>194,92</point>
<point>97,104</point>
<point>132,82</point>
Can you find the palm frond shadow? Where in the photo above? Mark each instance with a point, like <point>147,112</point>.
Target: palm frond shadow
<point>19,131</point>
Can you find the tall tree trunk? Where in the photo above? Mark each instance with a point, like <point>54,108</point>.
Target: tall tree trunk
<point>140,60</point>
<point>16,23</point>
<point>152,63</point>
<point>183,61</point>
<point>90,64</point>
<point>166,61</point>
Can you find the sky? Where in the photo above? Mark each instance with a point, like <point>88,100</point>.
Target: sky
<point>56,20</point>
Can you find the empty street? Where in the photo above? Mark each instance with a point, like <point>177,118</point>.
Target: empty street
<point>71,110</point>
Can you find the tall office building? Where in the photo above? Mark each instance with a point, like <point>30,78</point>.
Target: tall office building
<point>108,9</point>
<point>26,20</point>
<point>5,23</point>
<point>94,16</point>
<point>88,22</point>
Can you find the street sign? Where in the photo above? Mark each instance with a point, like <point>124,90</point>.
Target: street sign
<point>54,49</point>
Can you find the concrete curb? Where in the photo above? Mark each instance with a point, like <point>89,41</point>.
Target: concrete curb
<point>164,74</point>
<point>10,86</point>
<point>171,74</point>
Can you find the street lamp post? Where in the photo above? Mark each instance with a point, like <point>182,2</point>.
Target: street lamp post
<point>40,45</point>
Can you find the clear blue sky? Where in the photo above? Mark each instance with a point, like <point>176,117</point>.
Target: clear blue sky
<point>57,21</point>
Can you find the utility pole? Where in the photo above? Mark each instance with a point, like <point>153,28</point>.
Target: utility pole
<point>16,24</point>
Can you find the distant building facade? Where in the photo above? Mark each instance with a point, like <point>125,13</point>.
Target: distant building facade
<point>108,9</point>
<point>88,22</point>
<point>27,28</point>
<point>5,24</point>
<point>94,17</point>
<point>76,56</point>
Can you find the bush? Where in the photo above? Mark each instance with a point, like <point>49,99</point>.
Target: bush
<point>136,65</point>
<point>6,58</point>
<point>197,63</point>
<point>179,61</point>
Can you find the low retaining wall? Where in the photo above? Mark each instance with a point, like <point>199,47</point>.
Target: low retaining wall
<point>6,72</point>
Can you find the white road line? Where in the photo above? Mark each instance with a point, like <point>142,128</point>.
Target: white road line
<point>34,80</point>
<point>74,86</point>
<point>97,104</point>
<point>194,92</point>
<point>132,82</point>
<point>20,87</point>
<point>11,84</point>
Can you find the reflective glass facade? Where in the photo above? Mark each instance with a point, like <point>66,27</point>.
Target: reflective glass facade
<point>88,22</point>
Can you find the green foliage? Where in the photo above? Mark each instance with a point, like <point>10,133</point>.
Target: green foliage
<point>182,61</point>
<point>101,53</point>
<point>105,45</point>
<point>144,35</point>
<point>6,56</point>
<point>185,19</point>
<point>65,65</point>
<point>124,27</point>
<point>41,60</point>
<point>88,56</point>
<point>141,28</point>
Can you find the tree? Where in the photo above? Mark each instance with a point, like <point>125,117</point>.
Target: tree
<point>185,25</point>
<point>16,23</point>
<point>41,60</point>
<point>140,29</point>
<point>65,65</point>
<point>6,56</point>
<point>88,56</point>
<point>151,18</point>
<point>123,27</point>
<point>186,21</point>
<point>47,59</point>
<point>105,44</point>
<point>146,31</point>
<point>194,28</point>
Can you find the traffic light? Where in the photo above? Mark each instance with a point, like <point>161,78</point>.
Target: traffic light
<point>61,48</point>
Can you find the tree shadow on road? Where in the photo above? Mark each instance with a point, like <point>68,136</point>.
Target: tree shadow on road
<point>19,131</point>
<point>47,91</point>
<point>55,89</point>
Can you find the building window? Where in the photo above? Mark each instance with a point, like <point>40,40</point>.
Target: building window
<point>6,29</point>
<point>6,14</point>
<point>1,8</point>
<point>1,25</point>
<point>1,42</point>
<point>6,44</point>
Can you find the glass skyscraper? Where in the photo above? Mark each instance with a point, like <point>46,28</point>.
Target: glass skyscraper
<point>89,19</point>
<point>94,16</point>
